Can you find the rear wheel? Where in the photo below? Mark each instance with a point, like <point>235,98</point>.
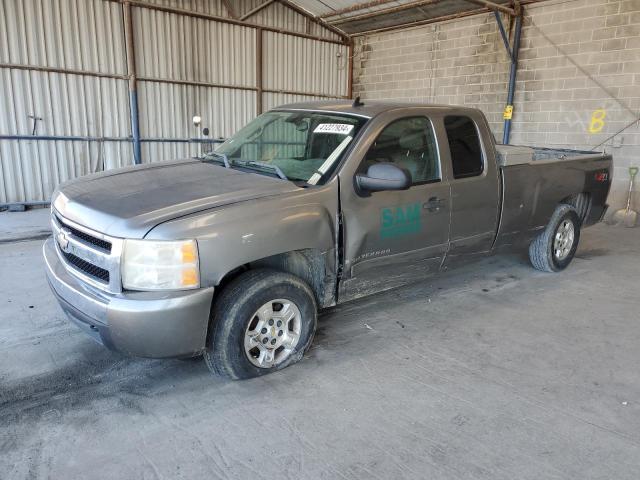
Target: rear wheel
<point>263,321</point>
<point>554,248</point>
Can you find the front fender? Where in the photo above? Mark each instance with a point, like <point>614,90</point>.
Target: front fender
<point>231,236</point>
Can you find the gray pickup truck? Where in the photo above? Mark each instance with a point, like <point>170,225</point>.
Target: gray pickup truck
<point>231,255</point>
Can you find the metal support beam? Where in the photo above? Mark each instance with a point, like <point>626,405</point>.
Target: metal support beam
<point>73,138</point>
<point>344,38</point>
<point>197,83</point>
<point>315,19</point>
<point>385,11</point>
<point>503,34</point>
<point>356,8</point>
<point>396,9</point>
<point>65,71</point>
<point>252,12</point>
<point>64,138</point>
<point>350,72</point>
<point>229,8</point>
<point>512,79</point>
<point>259,85</point>
<point>419,23</point>
<point>133,92</point>
<point>495,7</point>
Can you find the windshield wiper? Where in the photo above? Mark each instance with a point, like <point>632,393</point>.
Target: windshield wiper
<point>220,156</point>
<point>266,166</point>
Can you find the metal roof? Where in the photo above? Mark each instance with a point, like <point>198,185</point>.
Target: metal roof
<point>363,16</point>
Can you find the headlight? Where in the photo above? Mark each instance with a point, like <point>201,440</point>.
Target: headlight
<point>160,265</point>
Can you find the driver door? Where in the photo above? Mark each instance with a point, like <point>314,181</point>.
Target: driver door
<point>395,237</point>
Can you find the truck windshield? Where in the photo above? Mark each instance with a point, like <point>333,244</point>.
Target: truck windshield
<point>302,146</point>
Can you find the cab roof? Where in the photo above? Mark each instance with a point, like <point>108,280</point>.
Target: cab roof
<point>368,109</point>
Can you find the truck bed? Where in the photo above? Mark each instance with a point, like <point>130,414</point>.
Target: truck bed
<point>509,155</point>
<point>535,180</point>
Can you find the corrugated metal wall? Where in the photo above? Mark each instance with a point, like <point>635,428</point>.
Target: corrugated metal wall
<point>325,65</point>
<point>65,35</point>
<point>64,108</point>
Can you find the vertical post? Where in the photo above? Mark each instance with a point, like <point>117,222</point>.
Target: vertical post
<point>133,92</point>
<point>512,79</point>
<point>259,71</point>
<point>350,72</point>
<point>503,34</point>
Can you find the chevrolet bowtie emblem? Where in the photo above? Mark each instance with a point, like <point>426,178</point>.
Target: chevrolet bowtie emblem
<point>63,241</point>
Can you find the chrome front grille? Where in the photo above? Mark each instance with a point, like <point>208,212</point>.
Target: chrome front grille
<point>85,237</point>
<point>89,255</point>
<point>86,267</point>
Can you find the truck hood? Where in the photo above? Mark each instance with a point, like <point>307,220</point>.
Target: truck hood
<point>129,202</point>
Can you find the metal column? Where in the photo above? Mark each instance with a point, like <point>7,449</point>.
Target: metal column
<point>512,77</point>
<point>513,54</point>
<point>350,51</point>
<point>259,66</point>
<point>133,91</point>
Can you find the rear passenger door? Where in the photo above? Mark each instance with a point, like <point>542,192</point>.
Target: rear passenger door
<point>394,237</point>
<point>475,189</point>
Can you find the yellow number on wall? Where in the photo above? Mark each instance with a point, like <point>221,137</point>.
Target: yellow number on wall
<point>597,120</point>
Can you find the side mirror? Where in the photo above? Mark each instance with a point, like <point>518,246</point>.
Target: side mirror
<point>383,176</point>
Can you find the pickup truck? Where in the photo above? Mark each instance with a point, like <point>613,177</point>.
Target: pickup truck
<point>231,255</point>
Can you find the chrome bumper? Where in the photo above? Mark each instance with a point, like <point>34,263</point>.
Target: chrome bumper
<point>146,324</point>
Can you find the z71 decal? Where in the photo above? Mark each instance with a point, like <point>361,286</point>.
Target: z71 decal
<point>400,220</point>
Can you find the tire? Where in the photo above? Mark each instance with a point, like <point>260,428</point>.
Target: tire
<point>234,335</point>
<point>542,252</point>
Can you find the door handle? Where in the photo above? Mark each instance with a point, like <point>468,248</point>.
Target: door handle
<point>434,204</point>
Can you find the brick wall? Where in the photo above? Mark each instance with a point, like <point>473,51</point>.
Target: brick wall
<point>577,57</point>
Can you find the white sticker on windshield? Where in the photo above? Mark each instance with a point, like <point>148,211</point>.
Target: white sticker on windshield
<point>339,128</point>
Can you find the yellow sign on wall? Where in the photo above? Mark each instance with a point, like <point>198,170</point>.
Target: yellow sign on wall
<point>508,112</point>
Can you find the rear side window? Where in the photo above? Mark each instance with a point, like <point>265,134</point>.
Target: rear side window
<point>408,143</point>
<point>464,145</point>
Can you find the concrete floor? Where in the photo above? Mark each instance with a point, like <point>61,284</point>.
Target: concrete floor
<point>495,371</point>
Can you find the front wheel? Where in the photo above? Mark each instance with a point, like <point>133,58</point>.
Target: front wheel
<point>263,321</point>
<point>554,248</point>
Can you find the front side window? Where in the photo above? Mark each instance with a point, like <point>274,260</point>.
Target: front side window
<point>304,146</point>
<point>464,145</point>
<point>410,144</point>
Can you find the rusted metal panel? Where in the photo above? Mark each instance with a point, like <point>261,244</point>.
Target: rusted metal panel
<point>303,65</point>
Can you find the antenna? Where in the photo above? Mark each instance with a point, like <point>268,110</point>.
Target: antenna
<point>357,102</point>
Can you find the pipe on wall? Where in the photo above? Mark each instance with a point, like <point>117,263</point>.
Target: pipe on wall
<point>259,66</point>
<point>69,138</point>
<point>133,92</point>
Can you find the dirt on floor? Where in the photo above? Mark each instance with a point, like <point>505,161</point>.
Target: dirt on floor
<point>494,371</point>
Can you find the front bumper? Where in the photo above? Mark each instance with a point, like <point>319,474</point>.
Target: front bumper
<point>145,324</point>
